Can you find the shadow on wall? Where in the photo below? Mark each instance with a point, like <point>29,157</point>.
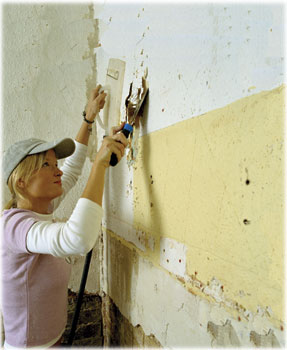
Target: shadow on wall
<point>123,263</point>
<point>150,197</point>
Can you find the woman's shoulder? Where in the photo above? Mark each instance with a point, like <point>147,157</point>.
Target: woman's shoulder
<point>15,225</point>
<point>8,213</point>
<point>16,214</point>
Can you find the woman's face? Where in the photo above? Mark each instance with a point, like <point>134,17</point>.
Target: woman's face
<point>45,184</point>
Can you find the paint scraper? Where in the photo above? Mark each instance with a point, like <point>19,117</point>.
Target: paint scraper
<point>138,109</point>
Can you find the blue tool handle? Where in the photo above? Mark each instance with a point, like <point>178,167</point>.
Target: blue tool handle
<point>127,130</point>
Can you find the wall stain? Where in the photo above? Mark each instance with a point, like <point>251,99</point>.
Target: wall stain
<point>265,340</point>
<point>223,335</point>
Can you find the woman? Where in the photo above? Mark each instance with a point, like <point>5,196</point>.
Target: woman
<point>35,274</point>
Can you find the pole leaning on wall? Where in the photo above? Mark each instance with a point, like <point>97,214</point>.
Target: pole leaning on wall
<point>80,297</point>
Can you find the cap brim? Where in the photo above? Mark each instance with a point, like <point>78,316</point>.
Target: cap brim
<point>63,148</point>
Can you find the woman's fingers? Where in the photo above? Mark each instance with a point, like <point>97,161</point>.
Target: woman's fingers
<point>112,143</point>
<point>116,129</point>
<point>97,104</point>
<point>117,151</point>
<point>120,137</point>
<point>95,92</point>
<point>116,143</point>
<point>102,98</point>
<point>119,146</point>
<point>115,147</point>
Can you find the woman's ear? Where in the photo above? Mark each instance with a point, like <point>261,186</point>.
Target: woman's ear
<point>21,183</point>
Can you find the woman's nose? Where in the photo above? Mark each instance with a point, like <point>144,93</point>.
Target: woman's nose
<point>58,172</point>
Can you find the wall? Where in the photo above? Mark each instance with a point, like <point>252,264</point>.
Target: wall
<point>193,230</point>
<point>48,71</point>
<point>194,240</point>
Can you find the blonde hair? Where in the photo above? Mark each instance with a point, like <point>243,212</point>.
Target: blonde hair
<point>23,171</point>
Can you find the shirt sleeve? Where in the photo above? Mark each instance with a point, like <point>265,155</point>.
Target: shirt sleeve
<point>72,169</point>
<point>75,237</point>
<point>15,228</point>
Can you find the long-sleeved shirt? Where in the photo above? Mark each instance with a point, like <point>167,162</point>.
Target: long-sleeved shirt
<point>34,274</point>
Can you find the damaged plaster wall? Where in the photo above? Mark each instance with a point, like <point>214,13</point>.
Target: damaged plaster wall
<point>194,227</point>
<point>48,71</point>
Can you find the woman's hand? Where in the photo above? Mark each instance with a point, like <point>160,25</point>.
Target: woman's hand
<point>115,143</point>
<point>95,103</point>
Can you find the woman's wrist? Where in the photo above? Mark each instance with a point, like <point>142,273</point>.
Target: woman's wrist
<point>98,165</point>
<point>91,115</point>
<point>88,117</point>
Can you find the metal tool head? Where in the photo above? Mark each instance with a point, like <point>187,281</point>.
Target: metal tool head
<point>140,104</point>
<point>135,101</point>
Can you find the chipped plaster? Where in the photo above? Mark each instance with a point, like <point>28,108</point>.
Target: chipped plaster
<point>204,174</point>
<point>58,65</point>
<point>203,204</point>
<point>48,71</point>
<point>148,295</point>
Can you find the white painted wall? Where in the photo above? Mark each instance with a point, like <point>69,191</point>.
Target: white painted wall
<point>46,66</point>
<point>199,56</point>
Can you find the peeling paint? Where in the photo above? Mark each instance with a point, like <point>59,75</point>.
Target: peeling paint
<point>133,103</point>
<point>173,256</point>
<point>223,335</point>
<point>200,194</point>
<point>202,322</point>
<point>222,230</point>
<point>264,340</point>
<point>214,219</point>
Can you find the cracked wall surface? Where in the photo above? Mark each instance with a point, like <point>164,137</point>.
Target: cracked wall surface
<point>48,72</point>
<point>194,228</point>
<point>200,198</point>
<point>178,317</point>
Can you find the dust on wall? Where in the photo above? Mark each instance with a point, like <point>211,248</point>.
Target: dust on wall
<point>193,222</point>
<point>215,183</point>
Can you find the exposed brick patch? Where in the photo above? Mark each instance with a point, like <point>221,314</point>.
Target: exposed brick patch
<point>90,331</point>
<point>124,334</point>
<point>89,328</point>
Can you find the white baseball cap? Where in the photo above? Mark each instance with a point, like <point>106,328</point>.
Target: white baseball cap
<point>18,151</point>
